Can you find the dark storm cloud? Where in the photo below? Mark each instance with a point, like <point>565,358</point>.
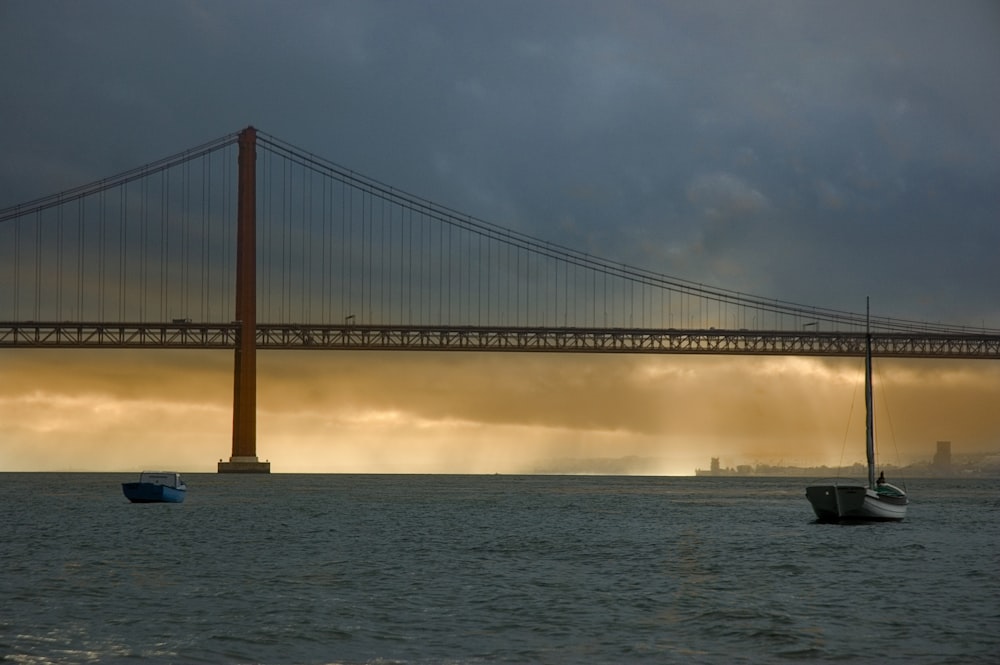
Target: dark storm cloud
<point>818,152</point>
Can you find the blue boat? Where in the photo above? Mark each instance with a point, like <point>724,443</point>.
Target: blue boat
<point>156,487</point>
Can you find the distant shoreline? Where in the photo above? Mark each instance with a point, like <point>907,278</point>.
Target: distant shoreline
<point>913,471</point>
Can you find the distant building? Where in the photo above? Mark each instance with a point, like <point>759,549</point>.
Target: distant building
<point>942,458</point>
<point>715,469</point>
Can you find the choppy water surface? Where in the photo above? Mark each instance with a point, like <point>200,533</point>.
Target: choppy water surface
<point>474,569</point>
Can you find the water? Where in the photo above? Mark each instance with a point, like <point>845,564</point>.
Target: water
<point>482,569</point>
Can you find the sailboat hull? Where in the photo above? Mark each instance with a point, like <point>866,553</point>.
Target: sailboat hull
<point>857,503</point>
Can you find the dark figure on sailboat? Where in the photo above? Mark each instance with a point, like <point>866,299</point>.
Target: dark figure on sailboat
<point>881,478</point>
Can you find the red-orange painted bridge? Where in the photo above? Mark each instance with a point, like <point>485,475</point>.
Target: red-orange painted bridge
<point>248,243</point>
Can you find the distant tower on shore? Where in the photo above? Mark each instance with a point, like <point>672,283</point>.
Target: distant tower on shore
<point>942,458</point>
<point>715,466</point>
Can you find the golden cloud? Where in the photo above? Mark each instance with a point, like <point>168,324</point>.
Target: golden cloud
<point>428,412</point>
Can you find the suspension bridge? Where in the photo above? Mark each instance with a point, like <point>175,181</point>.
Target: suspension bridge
<point>248,243</point>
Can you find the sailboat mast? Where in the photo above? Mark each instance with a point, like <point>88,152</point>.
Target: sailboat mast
<point>869,415</point>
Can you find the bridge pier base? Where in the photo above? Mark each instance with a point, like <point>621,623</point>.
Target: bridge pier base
<point>244,464</point>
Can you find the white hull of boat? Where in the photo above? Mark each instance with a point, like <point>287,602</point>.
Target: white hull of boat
<point>857,503</point>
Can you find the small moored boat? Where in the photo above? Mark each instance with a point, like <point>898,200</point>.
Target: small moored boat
<point>156,487</point>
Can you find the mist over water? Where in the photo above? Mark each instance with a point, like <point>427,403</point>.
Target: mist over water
<point>366,412</point>
<point>458,569</point>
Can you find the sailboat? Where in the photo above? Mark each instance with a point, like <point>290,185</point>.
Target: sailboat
<point>851,501</point>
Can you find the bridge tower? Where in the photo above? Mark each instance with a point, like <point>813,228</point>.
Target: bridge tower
<point>244,458</point>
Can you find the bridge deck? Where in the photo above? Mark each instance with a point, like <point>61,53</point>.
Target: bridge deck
<point>494,339</point>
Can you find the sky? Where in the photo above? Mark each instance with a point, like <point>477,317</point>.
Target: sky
<point>814,152</point>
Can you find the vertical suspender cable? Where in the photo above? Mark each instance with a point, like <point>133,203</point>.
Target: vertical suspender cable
<point>286,206</point>
<point>444,265</point>
<point>79,263</point>
<point>323,264</point>
<point>449,280</point>
<point>371,256</point>
<point>185,240</point>
<point>37,277</point>
<point>409,263</point>
<point>520,283</point>
<point>420,268</point>
<point>143,248</point>
<point>205,308</point>
<point>402,212</point>
<point>350,250</point>
<point>286,213</point>
<point>305,217</point>
<point>267,231</point>
<point>122,191</point>
<point>511,304</point>
<point>555,293</point>
<point>164,215</point>
<point>418,255</point>
<point>59,262</point>
<point>328,225</point>
<point>17,268</point>
<point>489,281</point>
<point>38,264</point>
<point>631,301</point>
<point>308,246</point>
<point>343,250</point>
<point>211,310</point>
<point>593,296</point>
<point>402,264</point>
<point>366,263</point>
<point>186,218</point>
<point>471,275</point>
<point>382,267</point>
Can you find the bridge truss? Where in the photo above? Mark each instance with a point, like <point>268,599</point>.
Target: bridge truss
<point>510,339</point>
